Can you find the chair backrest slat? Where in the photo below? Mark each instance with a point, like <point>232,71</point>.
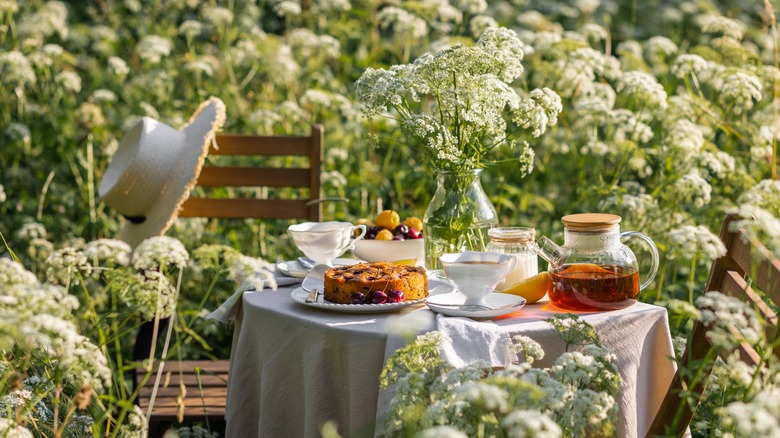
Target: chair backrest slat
<point>245,208</point>
<point>744,258</point>
<point>231,144</point>
<point>228,176</point>
<point>231,176</point>
<point>767,272</point>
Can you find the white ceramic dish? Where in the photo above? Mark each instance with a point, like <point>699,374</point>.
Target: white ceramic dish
<point>449,305</point>
<point>292,268</point>
<point>325,241</point>
<point>390,250</point>
<point>435,287</point>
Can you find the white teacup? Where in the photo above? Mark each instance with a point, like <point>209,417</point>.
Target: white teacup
<point>324,241</point>
<point>476,274</point>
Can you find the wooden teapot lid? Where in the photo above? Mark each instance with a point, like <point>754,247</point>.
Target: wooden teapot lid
<point>591,222</point>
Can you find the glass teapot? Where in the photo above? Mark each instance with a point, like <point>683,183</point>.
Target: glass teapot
<point>593,270</point>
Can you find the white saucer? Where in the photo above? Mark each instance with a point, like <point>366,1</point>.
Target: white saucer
<point>292,268</point>
<point>449,302</point>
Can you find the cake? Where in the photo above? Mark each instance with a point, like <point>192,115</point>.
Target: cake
<point>342,282</point>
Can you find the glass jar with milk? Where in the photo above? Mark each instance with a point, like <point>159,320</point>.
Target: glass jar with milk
<point>519,242</point>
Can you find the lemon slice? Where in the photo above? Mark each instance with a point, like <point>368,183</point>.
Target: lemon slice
<point>406,262</point>
<point>532,288</point>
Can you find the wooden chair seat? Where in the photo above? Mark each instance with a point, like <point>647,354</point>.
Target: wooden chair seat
<point>204,393</point>
<point>745,257</point>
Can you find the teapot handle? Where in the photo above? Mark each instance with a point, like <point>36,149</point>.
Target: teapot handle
<point>653,252</point>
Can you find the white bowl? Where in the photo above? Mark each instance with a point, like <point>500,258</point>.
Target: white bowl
<point>476,274</point>
<point>390,250</point>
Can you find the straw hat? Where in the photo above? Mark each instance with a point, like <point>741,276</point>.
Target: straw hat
<point>154,168</point>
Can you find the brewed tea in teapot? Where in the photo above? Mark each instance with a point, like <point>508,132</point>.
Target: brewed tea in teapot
<point>593,270</point>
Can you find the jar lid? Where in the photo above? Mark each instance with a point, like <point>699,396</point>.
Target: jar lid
<point>591,222</point>
<point>512,234</point>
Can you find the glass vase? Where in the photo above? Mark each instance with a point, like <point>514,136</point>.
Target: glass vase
<point>458,217</point>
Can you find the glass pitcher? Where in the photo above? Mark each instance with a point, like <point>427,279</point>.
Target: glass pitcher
<point>593,270</point>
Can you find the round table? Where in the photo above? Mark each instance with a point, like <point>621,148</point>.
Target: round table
<point>294,367</point>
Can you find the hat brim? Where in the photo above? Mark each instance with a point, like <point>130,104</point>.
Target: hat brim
<point>199,134</point>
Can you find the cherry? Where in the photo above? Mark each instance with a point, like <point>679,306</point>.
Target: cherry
<point>395,296</point>
<point>378,297</point>
<point>358,298</point>
<point>413,233</point>
<point>401,229</point>
<point>399,237</point>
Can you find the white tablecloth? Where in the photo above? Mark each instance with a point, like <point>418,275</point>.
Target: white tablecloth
<point>294,367</point>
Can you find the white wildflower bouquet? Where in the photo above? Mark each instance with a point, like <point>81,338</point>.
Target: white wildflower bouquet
<point>455,103</point>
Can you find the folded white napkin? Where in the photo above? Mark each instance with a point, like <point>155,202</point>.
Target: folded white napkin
<point>229,309</point>
<point>474,340</point>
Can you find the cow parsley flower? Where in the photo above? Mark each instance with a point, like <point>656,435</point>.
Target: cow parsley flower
<point>473,7</point>
<point>316,97</point>
<point>757,417</point>
<point>69,80</point>
<point>30,231</point>
<point>538,112</point>
<point>594,32</point>
<point>16,68</point>
<point>531,349</point>
<point>485,396</point>
<point>688,240</point>
<point>190,28</point>
<point>590,412</point>
<point>288,8</point>
<point>720,311</point>
<point>306,44</point>
<point>759,223</point>
<point>439,432</point>
<point>658,49</point>
<point>685,138</point>
<point>765,194</point>
<point>14,274</point>
<point>9,428</point>
<point>634,205</point>
<point>200,66</point>
<point>642,89</point>
<point>688,64</point>
<point>50,19</point>
<point>218,16</point>
<point>403,23</point>
<point>153,48</point>
<point>738,92</point>
<point>722,25</point>
<point>257,273</point>
<point>692,188</point>
<point>573,330</point>
<point>153,294</point>
<point>524,423</point>
<point>64,266</point>
<point>718,164</point>
<point>480,23</point>
<point>160,251</point>
<point>117,66</point>
<point>596,100</point>
<point>110,252</point>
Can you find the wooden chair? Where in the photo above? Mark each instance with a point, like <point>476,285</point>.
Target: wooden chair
<point>744,258</point>
<point>205,382</point>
